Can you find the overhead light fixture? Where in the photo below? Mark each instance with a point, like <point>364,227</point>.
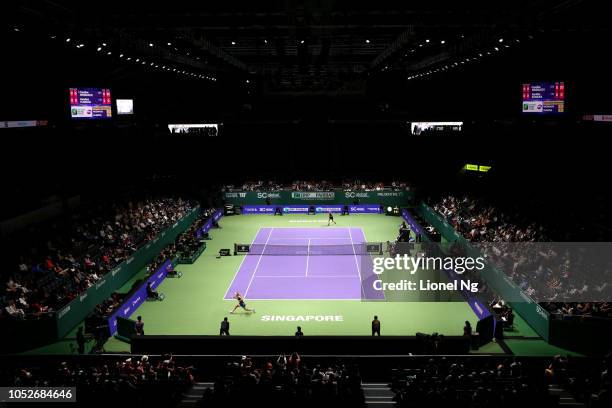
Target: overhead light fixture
<point>150,44</point>
<point>99,49</point>
<point>68,39</point>
<point>367,41</point>
<point>501,40</point>
<point>104,44</point>
<point>442,42</point>
<point>169,44</point>
<point>427,40</point>
<point>496,49</point>
<point>233,42</point>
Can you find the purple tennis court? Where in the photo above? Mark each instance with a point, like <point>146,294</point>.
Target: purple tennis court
<point>270,275</point>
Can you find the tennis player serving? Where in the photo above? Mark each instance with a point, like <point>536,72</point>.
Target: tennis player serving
<point>241,304</point>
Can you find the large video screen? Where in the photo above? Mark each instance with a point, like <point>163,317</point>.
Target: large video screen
<point>90,103</point>
<point>201,129</point>
<point>418,128</point>
<point>544,97</point>
<point>125,106</point>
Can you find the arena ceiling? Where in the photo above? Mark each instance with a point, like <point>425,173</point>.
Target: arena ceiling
<point>308,44</point>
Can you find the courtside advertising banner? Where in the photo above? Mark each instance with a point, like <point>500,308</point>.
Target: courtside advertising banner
<point>134,301</point>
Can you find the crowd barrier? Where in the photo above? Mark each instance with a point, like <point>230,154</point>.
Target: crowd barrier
<point>209,224</point>
<point>313,345</point>
<point>478,307</point>
<point>139,296</point>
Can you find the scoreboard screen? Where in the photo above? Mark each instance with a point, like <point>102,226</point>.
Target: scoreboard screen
<point>90,103</point>
<point>544,97</point>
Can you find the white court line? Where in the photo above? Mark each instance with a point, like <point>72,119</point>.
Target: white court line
<point>322,238</point>
<point>240,266</point>
<point>307,256</point>
<point>318,300</point>
<point>311,276</point>
<point>370,255</point>
<point>357,263</point>
<point>258,261</point>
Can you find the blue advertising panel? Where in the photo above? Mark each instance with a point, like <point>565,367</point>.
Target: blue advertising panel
<point>133,302</point>
<point>303,209</point>
<point>215,217</point>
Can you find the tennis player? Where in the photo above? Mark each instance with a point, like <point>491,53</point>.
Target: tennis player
<point>331,219</point>
<point>241,304</point>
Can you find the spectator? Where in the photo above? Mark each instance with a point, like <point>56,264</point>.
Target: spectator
<point>299,333</point>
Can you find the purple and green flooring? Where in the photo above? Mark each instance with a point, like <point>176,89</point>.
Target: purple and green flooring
<point>306,277</point>
<point>298,286</point>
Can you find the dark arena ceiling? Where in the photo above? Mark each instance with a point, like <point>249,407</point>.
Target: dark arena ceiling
<point>304,46</point>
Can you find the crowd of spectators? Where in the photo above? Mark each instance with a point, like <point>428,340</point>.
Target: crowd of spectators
<point>96,322</point>
<point>286,381</point>
<point>319,185</point>
<point>565,279</point>
<point>291,380</point>
<point>472,382</point>
<point>189,242</point>
<point>111,381</point>
<point>590,383</point>
<point>478,221</point>
<point>80,251</point>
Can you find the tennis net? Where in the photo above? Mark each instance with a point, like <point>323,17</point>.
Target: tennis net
<point>364,248</point>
